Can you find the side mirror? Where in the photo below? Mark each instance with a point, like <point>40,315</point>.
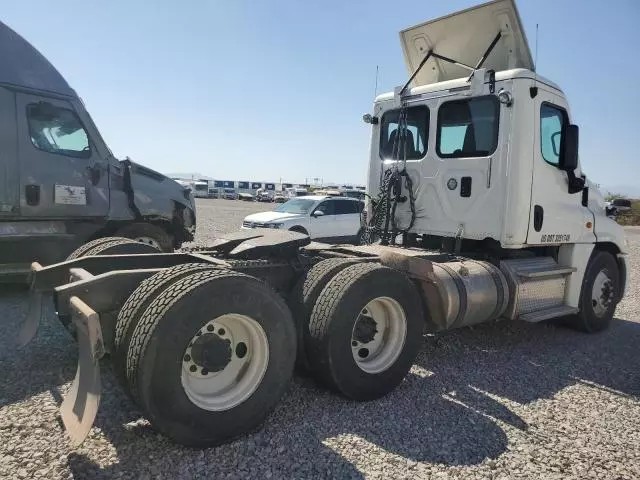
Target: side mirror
<point>569,149</point>
<point>317,213</point>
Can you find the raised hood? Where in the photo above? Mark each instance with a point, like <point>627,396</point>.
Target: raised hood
<point>465,36</point>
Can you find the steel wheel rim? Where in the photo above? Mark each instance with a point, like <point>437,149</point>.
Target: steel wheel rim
<point>238,380</point>
<point>149,241</point>
<point>376,349</point>
<point>601,294</point>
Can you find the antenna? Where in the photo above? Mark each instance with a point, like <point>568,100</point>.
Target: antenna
<point>535,64</point>
<point>375,92</point>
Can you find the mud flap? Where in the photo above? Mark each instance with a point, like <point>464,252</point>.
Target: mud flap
<point>81,403</point>
<point>31,323</point>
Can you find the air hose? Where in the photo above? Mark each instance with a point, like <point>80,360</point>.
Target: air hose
<point>383,223</point>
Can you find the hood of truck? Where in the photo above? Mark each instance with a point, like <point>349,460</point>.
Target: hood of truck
<point>152,189</point>
<point>606,229</point>
<point>465,36</point>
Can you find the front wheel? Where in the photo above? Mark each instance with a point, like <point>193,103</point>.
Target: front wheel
<point>149,234</point>
<point>599,295</point>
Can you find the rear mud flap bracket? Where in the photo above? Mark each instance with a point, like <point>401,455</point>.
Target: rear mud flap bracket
<point>81,403</point>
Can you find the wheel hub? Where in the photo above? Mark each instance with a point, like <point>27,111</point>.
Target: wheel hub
<point>211,352</point>
<point>365,328</point>
<point>149,241</point>
<point>603,294</point>
<point>224,362</point>
<point>378,335</point>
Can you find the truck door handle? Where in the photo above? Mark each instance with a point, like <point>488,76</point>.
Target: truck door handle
<point>489,172</point>
<point>95,173</point>
<point>32,195</point>
<point>465,187</point>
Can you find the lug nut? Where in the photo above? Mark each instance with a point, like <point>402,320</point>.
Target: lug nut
<point>193,368</point>
<point>204,371</point>
<point>210,328</point>
<point>187,358</point>
<point>221,331</point>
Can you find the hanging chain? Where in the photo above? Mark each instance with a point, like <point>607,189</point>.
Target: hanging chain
<point>382,224</point>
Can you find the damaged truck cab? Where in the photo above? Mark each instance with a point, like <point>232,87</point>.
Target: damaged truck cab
<point>60,185</point>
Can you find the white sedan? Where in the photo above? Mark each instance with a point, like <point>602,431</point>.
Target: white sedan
<point>323,218</point>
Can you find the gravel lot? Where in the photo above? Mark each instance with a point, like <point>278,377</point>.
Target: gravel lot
<point>499,401</point>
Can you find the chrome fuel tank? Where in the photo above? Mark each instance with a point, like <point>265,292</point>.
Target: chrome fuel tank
<point>465,293</point>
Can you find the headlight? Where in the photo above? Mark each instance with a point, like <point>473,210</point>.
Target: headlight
<point>273,225</point>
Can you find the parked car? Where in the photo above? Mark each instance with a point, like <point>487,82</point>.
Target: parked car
<point>263,195</point>
<point>229,194</point>
<point>247,197</point>
<point>324,218</point>
<point>279,198</point>
<point>296,192</point>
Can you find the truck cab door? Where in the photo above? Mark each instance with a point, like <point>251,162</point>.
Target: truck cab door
<point>9,169</point>
<point>556,215</point>
<point>457,169</point>
<point>61,172</point>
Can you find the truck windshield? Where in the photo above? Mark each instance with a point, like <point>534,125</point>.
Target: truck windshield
<point>202,187</point>
<point>297,205</point>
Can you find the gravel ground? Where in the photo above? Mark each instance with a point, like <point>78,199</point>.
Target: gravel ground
<point>498,401</point>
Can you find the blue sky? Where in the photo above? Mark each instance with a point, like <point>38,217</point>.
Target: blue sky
<point>268,90</point>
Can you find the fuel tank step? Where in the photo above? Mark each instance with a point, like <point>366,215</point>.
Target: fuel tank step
<point>555,312</point>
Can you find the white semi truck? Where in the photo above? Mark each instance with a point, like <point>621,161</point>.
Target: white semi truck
<point>478,210</point>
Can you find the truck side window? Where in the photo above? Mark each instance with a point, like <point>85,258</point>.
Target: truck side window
<point>57,130</point>
<point>417,134</point>
<point>468,128</point>
<point>552,120</point>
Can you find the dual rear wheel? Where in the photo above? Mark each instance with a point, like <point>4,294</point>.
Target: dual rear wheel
<point>360,325</point>
<point>207,353</point>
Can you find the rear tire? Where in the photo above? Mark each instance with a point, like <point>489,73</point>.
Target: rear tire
<point>135,306</point>
<point>372,313</point>
<point>121,246</point>
<point>305,295</point>
<point>105,246</point>
<point>149,234</point>
<point>599,295</point>
<point>82,250</point>
<point>110,246</point>
<point>156,358</point>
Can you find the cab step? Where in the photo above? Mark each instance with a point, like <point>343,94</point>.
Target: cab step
<point>555,312</point>
<point>546,272</point>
